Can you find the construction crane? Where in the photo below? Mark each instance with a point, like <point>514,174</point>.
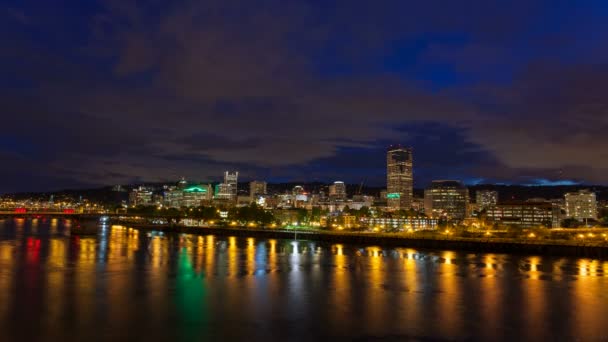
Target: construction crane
<point>361,187</point>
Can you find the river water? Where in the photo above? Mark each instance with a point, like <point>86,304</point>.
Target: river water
<point>125,284</point>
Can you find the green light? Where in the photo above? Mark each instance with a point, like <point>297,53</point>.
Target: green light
<point>393,195</point>
<point>195,189</point>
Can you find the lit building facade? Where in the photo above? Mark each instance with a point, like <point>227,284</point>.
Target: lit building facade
<point>402,224</point>
<point>525,214</point>
<point>486,198</point>
<point>399,177</point>
<point>232,179</point>
<point>184,195</point>
<point>337,191</point>
<point>581,205</point>
<point>223,191</point>
<point>447,199</point>
<point>196,195</point>
<point>257,188</point>
<point>140,196</point>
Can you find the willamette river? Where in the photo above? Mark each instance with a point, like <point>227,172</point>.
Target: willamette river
<point>128,285</point>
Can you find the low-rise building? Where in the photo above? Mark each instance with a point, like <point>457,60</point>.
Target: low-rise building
<point>403,224</point>
<point>525,214</point>
<point>581,205</point>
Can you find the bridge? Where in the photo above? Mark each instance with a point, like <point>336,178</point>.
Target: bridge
<point>26,212</point>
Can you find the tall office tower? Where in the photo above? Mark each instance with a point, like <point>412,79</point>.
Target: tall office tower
<point>448,199</point>
<point>399,177</point>
<point>337,191</point>
<point>581,205</point>
<point>257,188</point>
<point>231,178</point>
<point>486,198</point>
<point>140,196</point>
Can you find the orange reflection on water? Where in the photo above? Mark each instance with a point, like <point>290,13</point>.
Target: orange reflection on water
<point>341,289</point>
<point>56,279</point>
<point>448,310</point>
<point>589,290</point>
<point>85,278</point>
<point>250,263</point>
<point>210,257</point>
<point>7,265</point>
<point>53,226</point>
<point>57,253</point>
<point>535,299</point>
<point>233,260</point>
<point>375,295</point>
<point>410,302</point>
<point>491,296</point>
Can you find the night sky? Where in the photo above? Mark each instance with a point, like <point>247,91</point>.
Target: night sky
<point>115,92</point>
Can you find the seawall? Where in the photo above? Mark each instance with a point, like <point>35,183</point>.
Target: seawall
<point>489,245</point>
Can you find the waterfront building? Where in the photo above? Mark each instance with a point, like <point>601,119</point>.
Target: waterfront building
<point>525,214</point>
<point>581,205</point>
<point>184,195</point>
<point>182,184</point>
<point>173,197</point>
<point>257,188</point>
<point>448,199</point>
<point>485,199</point>
<point>337,191</point>
<point>223,191</point>
<point>196,195</point>
<point>401,224</point>
<point>299,197</point>
<point>399,177</point>
<point>140,196</point>
<point>231,178</point>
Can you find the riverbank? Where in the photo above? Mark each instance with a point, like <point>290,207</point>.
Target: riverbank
<point>492,245</point>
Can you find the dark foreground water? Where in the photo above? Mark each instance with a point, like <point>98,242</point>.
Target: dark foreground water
<point>128,285</point>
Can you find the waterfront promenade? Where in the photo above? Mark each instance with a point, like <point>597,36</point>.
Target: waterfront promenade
<point>582,247</point>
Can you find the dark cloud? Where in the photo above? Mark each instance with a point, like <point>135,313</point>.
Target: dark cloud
<point>114,91</point>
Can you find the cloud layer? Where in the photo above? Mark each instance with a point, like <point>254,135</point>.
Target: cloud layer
<point>118,91</point>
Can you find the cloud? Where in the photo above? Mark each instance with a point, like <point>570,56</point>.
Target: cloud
<point>159,90</point>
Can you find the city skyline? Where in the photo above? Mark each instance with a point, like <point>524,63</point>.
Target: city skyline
<point>303,170</point>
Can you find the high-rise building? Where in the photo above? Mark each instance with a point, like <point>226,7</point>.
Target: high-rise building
<point>399,177</point>
<point>173,197</point>
<point>232,178</point>
<point>140,196</point>
<point>486,198</point>
<point>298,190</point>
<point>257,188</point>
<point>448,199</point>
<point>581,205</point>
<point>196,195</point>
<point>337,191</point>
<point>299,196</point>
<point>223,191</point>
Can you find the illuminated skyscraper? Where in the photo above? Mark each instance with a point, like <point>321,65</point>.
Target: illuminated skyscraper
<point>337,191</point>
<point>231,178</point>
<point>486,198</point>
<point>399,177</point>
<point>448,199</point>
<point>257,188</point>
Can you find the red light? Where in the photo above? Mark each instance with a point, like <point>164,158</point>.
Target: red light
<point>68,211</point>
<point>20,211</point>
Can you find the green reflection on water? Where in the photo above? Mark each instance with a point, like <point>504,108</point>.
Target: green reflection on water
<point>191,300</point>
